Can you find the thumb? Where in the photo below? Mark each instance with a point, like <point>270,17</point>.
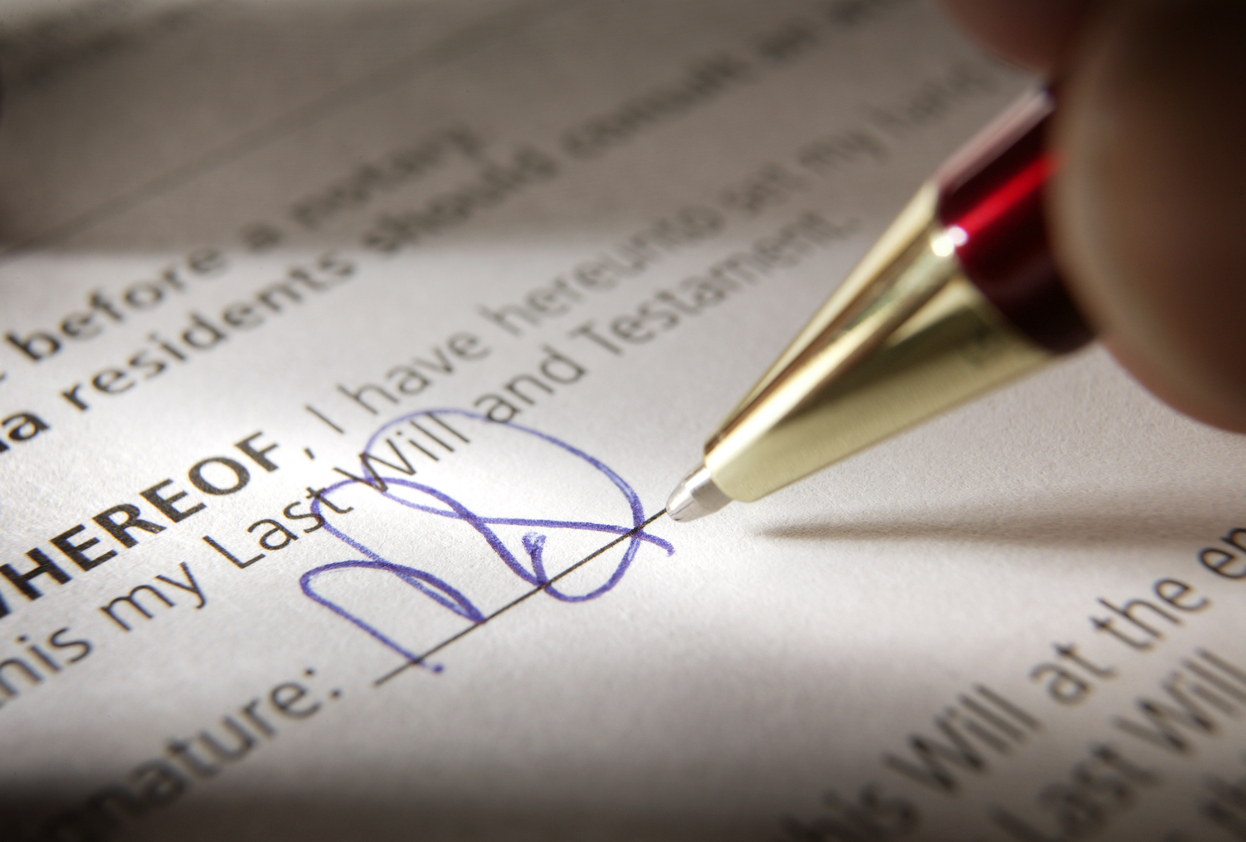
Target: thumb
<point>1149,209</point>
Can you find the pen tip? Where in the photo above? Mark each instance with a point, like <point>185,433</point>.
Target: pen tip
<point>695,497</point>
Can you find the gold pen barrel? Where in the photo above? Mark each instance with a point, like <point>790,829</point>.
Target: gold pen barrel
<point>906,337</point>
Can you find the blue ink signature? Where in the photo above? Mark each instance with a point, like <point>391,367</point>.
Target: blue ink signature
<point>440,504</point>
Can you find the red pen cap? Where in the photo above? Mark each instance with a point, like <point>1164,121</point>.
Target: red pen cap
<point>991,200</point>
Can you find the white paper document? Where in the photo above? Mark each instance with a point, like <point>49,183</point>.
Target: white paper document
<point>350,350</point>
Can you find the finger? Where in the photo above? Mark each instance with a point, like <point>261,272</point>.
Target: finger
<point>1032,33</point>
<point>1147,212</point>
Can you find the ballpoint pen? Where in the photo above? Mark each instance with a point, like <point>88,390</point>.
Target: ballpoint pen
<point>959,296</point>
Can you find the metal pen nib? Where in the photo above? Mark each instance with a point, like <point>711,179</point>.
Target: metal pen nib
<point>696,496</point>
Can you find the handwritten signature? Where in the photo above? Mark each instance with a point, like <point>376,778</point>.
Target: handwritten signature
<point>424,501</point>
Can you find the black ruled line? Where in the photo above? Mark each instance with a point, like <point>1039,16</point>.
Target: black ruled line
<point>422,660</point>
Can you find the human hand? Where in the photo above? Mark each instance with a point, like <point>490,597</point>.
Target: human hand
<point>1147,213</point>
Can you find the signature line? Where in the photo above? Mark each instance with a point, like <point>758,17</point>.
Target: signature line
<point>416,662</point>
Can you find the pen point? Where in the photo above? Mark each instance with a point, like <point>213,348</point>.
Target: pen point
<point>695,497</point>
